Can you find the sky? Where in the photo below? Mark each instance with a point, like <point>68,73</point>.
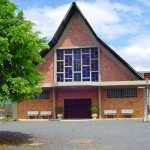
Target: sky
<point>124,25</point>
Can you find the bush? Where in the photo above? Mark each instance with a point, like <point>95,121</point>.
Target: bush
<point>59,109</point>
<point>94,109</point>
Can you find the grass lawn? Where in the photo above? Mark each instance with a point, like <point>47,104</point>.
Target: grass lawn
<point>5,120</point>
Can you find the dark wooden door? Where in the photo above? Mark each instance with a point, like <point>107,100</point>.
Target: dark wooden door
<point>77,108</point>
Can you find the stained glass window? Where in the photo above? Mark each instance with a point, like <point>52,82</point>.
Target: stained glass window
<point>68,80</point>
<point>85,59</point>
<point>94,53</point>
<point>68,72</point>
<point>86,71</point>
<point>94,76</point>
<point>60,55</point>
<point>60,66</point>
<point>77,76</point>
<point>68,51</point>
<point>94,65</point>
<point>86,79</point>
<point>85,50</point>
<point>77,60</point>
<point>60,77</point>
<point>68,60</point>
<point>79,64</point>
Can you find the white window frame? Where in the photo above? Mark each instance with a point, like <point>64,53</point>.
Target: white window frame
<point>73,48</point>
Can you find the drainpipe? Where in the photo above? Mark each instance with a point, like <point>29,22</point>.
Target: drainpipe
<point>54,103</point>
<point>14,110</point>
<point>99,102</point>
<point>146,117</point>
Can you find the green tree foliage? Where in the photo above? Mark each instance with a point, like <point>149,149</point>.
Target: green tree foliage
<point>19,55</point>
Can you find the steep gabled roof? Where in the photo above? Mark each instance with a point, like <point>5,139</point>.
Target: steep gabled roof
<point>63,25</point>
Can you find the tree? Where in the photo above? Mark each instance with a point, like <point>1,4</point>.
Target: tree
<point>20,50</point>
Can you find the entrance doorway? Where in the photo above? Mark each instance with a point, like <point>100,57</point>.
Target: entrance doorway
<point>77,108</point>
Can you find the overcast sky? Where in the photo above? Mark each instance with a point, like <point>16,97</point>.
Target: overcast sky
<point>122,24</point>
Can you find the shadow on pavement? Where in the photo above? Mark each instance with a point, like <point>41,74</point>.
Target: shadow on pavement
<point>15,138</point>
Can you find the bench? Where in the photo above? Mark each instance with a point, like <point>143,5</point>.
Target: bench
<point>127,112</point>
<point>33,114</point>
<point>110,113</point>
<point>45,113</point>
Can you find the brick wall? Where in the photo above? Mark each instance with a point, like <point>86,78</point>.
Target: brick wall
<point>110,71</point>
<point>35,105</point>
<point>77,35</point>
<point>147,75</point>
<point>107,103</point>
<point>137,104</point>
<point>78,93</point>
<point>47,68</point>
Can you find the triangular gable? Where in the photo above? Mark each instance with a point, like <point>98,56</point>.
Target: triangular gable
<point>77,34</point>
<point>62,27</point>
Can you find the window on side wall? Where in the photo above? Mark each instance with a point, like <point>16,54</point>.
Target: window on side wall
<point>44,95</point>
<point>122,93</point>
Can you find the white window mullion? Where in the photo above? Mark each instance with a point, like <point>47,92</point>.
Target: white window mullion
<point>72,65</point>
<point>55,65</point>
<point>90,64</point>
<point>81,64</point>
<point>99,65</point>
<point>64,64</point>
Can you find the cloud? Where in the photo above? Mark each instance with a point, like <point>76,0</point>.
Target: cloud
<point>126,8</point>
<point>145,2</point>
<point>47,19</point>
<point>108,19</point>
<point>137,53</point>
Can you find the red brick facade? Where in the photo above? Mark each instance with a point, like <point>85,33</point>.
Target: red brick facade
<point>110,71</point>
<point>35,105</point>
<point>77,35</point>
<point>124,103</point>
<point>47,68</point>
<point>76,93</point>
<point>147,75</point>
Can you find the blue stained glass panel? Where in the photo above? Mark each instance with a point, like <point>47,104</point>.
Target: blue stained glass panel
<point>94,65</point>
<point>68,72</point>
<point>60,77</point>
<point>77,65</point>
<point>68,51</point>
<point>68,60</point>
<point>77,51</point>
<point>94,76</point>
<point>60,67</point>
<point>86,79</point>
<point>94,53</point>
<point>85,50</point>
<point>77,76</point>
<point>77,60</point>
<point>60,55</point>
<point>68,80</point>
<point>86,71</point>
<point>85,59</point>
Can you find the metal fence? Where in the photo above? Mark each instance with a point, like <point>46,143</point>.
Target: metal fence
<point>6,110</point>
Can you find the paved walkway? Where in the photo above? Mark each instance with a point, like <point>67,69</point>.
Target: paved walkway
<point>76,135</point>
